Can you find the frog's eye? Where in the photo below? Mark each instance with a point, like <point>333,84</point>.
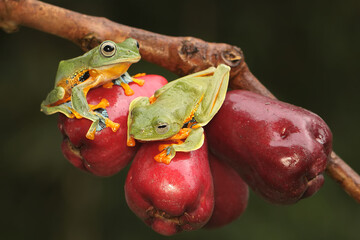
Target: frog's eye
<point>137,44</point>
<point>108,49</point>
<point>162,128</point>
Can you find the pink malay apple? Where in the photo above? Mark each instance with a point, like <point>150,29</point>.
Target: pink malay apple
<point>231,193</point>
<point>279,149</point>
<point>170,198</point>
<point>107,153</point>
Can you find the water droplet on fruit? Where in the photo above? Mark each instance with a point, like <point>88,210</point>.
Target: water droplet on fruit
<point>320,138</point>
<point>284,133</point>
<point>290,161</point>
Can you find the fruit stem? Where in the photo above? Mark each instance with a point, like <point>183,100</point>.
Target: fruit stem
<point>349,180</point>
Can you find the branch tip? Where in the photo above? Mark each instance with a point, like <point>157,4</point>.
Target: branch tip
<point>233,57</point>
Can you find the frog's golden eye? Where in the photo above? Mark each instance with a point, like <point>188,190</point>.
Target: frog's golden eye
<point>162,128</point>
<point>108,49</point>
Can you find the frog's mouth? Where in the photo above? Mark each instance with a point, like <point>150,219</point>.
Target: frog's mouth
<point>126,61</point>
<point>131,140</point>
<point>144,134</point>
<point>111,71</point>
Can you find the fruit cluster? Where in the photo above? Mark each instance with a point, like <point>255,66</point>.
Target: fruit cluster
<point>278,149</point>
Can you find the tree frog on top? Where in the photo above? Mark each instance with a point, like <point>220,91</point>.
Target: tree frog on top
<point>177,112</point>
<point>100,66</point>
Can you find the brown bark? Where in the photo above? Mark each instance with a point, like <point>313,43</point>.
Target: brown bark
<point>181,55</point>
<point>344,175</point>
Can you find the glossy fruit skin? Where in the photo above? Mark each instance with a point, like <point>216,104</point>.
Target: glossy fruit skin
<point>231,193</point>
<point>108,153</point>
<point>279,149</point>
<point>170,198</point>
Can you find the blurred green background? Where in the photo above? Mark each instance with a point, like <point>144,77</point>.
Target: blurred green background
<point>306,52</point>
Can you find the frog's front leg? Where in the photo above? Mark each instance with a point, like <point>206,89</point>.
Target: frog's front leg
<point>193,142</point>
<point>81,106</point>
<point>124,81</point>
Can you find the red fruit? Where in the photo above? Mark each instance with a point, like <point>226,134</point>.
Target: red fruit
<point>107,153</point>
<point>230,191</point>
<point>279,149</point>
<point>170,198</point>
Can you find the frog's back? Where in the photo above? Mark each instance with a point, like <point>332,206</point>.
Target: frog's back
<point>70,73</point>
<point>181,98</point>
<point>70,68</point>
<point>182,90</point>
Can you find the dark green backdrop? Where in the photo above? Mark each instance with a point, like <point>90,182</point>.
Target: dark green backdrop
<point>306,52</point>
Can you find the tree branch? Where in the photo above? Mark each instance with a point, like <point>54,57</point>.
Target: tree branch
<point>181,55</point>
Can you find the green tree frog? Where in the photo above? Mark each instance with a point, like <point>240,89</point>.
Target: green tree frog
<point>100,66</point>
<point>177,111</point>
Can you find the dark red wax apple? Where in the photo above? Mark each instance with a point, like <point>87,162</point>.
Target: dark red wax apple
<point>231,193</point>
<point>107,153</point>
<point>170,198</point>
<point>279,149</point>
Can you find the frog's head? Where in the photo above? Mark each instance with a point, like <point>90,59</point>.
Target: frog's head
<point>110,53</point>
<point>148,124</point>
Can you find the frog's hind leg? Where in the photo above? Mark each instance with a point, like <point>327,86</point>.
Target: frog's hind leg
<point>100,108</point>
<point>205,73</point>
<point>214,95</point>
<point>82,107</point>
<point>95,118</point>
<point>193,142</point>
<point>63,108</point>
<point>55,95</point>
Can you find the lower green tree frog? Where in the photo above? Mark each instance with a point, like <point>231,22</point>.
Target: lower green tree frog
<point>178,111</point>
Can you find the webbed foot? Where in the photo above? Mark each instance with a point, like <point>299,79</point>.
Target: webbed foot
<point>93,129</point>
<point>124,81</point>
<point>165,155</point>
<point>130,142</point>
<point>101,120</point>
<point>113,125</point>
<point>91,134</point>
<point>102,104</point>
<point>108,85</point>
<point>128,91</point>
<point>98,125</point>
<point>138,81</point>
